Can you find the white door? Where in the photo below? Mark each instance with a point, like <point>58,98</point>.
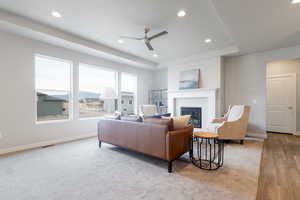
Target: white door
<point>281,103</point>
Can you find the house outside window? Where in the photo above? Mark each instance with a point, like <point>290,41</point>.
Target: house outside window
<point>53,88</point>
<point>98,94</point>
<point>128,93</point>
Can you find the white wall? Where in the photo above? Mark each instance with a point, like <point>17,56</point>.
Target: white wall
<point>17,96</point>
<point>210,72</point>
<point>285,67</point>
<point>211,76</point>
<point>160,79</point>
<point>245,82</point>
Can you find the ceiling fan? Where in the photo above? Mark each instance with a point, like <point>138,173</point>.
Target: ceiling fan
<point>147,39</point>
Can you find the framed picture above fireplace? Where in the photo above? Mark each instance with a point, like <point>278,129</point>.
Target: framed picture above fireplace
<point>189,79</point>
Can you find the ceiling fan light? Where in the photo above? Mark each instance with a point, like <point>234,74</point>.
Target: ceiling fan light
<point>56,14</point>
<point>295,1</point>
<point>181,13</point>
<point>207,40</point>
<point>155,55</point>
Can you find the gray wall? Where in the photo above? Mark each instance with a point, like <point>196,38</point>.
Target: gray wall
<point>245,82</point>
<point>285,67</point>
<point>17,102</point>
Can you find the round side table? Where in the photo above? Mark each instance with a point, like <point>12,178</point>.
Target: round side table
<point>207,151</point>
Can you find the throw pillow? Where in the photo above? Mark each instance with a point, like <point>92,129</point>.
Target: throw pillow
<point>112,117</point>
<point>168,122</point>
<point>132,118</point>
<point>161,115</point>
<point>179,122</point>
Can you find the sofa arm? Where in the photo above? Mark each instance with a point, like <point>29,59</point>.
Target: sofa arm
<point>178,142</point>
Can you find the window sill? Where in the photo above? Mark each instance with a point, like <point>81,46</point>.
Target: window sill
<point>91,118</point>
<point>52,121</point>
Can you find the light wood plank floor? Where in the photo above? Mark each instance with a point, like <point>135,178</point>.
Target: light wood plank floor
<point>280,168</point>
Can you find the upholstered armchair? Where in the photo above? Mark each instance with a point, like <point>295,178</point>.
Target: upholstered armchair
<point>148,110</point>
<point>233,126</point>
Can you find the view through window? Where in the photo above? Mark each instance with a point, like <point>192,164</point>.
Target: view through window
<point>128,93</point>
<point>53,88</point>
<point>97,91</point>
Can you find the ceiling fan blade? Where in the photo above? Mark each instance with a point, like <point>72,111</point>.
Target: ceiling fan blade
<point>149,46</point>
<point>131,38</point>
<point>158,35</point>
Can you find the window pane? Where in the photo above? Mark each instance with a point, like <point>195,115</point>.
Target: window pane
<point>128,93</point>
<point>53,86</point>
<point>97,91</point>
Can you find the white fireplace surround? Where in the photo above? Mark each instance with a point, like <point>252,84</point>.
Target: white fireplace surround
<point>209,109</point>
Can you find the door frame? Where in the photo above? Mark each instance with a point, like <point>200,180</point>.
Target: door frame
<point>294,76</point>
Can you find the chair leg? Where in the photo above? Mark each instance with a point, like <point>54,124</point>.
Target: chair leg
<point>100,144</point>
<point>170,166</point>
<point>242,142</point>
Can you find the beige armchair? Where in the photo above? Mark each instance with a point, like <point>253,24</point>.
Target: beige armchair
<point>148,110</point>
<point>233,126</point>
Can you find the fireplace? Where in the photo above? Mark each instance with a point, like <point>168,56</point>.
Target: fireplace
<point>196,115</point>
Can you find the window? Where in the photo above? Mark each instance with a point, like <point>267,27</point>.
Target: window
<point>97,91</point>
<point>53,88</point>
<point>128,93</point>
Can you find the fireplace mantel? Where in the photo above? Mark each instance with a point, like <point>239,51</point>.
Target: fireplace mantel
<point>202,93</point>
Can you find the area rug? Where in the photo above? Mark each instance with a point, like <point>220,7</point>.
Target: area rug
<point>81,171</point>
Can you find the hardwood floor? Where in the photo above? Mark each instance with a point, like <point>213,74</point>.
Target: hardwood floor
<point>280,168</point>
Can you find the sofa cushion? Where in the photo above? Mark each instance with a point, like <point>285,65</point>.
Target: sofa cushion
<point>179,122</point>
<point>168,122</point>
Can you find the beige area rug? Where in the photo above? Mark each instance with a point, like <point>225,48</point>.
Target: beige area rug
<point>80,170</point>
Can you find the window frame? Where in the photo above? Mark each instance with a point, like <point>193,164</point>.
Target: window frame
<point>70,92</point>
<point>116,87</point>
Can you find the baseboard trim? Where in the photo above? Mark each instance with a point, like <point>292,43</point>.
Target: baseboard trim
<point>297,133</point>
<point>257,135</point>
<point>45,143</point>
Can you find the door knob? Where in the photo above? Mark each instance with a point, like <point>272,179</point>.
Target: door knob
<point>290,107</point>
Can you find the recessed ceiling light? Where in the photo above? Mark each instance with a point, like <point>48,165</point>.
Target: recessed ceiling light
<point>120,41</point>
<point>181,13</point>
<point>207,40</point>
<point>56,14</point>
<point>155,55</point>
<point>295,1</point>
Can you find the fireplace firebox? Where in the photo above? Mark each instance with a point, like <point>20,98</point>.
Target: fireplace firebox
<point>196,115</point>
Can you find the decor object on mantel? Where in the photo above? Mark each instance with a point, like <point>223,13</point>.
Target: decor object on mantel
<point>233,126</point>
<point>189,79</point>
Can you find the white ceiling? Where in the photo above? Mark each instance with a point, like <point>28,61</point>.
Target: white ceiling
<point>254,25</point>
<point>105,20</point>
<point>258,25</point>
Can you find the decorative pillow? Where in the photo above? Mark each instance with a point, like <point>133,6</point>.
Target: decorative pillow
<point>168,122</point>
<point>236,112</point>
<point>161,115</point>
<point>113,117</point>
<point>132,118</point>
<point>179,122</point>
